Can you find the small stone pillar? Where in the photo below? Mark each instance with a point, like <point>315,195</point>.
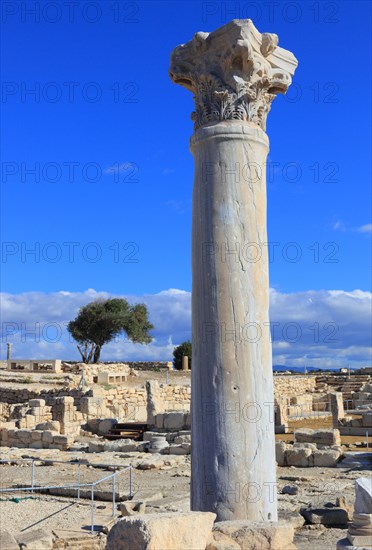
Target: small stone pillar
<point>337,408</point>
<point>9,351</point>
<point>281,417</point>
<point>234,74</point>
<point>154,403</point>
<point>185,362</point>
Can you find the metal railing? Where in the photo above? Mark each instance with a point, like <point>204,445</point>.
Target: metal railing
<point>33,487</point>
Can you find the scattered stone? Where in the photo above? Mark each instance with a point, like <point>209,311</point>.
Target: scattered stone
<point>164,531</point>
<point>326,516</point>
<point>289,490</point>
<point>258,535</point>
<point>131,508</point>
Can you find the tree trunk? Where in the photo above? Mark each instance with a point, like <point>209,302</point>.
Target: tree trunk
<point>83,355</point>
<point>97,353</point>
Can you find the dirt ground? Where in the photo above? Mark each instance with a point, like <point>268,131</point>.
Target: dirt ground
<point>165,489</point>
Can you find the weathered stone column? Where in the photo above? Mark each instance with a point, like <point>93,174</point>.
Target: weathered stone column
<point>185,362</point>
<point>9,351</point>
<point>234,73</point>
<point>337,408</point>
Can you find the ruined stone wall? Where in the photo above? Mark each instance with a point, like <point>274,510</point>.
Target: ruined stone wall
<point>148,365</point>
<point>23,395</point>
<point>290,386</point>
<point>130,403</point>
<point>34,439</point>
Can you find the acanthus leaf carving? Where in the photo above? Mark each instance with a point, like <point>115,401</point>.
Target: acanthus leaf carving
<point>234,73</point>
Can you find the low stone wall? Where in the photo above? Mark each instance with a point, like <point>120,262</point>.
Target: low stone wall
<point>34,439</point>
<point>293,385</point>
<point>176,397</point>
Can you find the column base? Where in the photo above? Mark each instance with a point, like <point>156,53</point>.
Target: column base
<point>345,544</point>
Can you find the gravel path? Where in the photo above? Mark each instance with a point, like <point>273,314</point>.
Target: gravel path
<point>42,512</point>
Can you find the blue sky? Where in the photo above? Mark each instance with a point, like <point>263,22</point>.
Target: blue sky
<point>108,206</point>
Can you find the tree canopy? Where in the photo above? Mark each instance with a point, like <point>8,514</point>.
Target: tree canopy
<point>101,321</point>
<point>179,351</point>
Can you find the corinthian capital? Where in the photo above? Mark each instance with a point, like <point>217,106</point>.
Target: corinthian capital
<point>234,73</point>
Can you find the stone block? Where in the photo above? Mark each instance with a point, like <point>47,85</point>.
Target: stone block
<point>63,441</point>
<point>184,449</point>
<point>159,420</point>
<point>168,531</point>
<point>47,436</point>
<point>7,541</point>
<point>326,458</point>
<point>311,446</point>
<point>182,439</point>
<point>38,539</point>
<point>96,447</point>
<point>36,435</point>
<point>258,536</point>
<point>52,425</point>
<point>121,445</point>
<point>298,457</point>
<point>174,421</point>
<point>322,436</point>
<point>36,403</point>
<point>24,436</point>
<point>280,450</point>
<point>325,516</point>
<point>36,445</point>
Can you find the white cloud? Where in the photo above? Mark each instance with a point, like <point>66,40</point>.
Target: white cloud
<point>314,328</point>
<point>340,226</point>
<point>365,228</point>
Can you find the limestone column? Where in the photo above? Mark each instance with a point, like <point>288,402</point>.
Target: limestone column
<point>234,74</point>
<point>337,408</point>
<point>185,362</point>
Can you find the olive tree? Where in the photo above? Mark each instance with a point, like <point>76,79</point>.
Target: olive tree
<point>101,321</point>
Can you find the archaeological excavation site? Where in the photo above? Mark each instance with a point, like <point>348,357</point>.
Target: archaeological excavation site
<point>98,457</point>
<point>223,451</point>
